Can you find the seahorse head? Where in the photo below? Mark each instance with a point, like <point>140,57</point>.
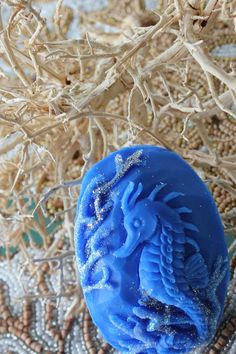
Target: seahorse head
<point>140,220</point>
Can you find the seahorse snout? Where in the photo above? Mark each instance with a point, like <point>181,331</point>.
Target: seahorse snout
<point>130,244</point>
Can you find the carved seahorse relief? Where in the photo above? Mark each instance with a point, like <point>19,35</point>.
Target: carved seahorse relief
<point>166,276</point>
<point>169,301</point>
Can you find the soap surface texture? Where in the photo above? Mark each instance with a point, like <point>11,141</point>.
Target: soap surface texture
<point>150,252</point>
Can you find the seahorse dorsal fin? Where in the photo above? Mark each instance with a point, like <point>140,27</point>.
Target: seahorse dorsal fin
<point>169,218</point>
<point>125,198</point>
<point>196,272</point>
<point>172,195</point>
<point>155,191</point>
<point>136,194</point>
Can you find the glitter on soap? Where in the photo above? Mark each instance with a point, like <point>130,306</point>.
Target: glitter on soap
<point>150,251</point>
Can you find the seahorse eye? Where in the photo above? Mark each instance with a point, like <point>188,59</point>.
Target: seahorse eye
<point>137,223</point>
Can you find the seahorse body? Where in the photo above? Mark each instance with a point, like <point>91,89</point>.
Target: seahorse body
<point>165,273</point>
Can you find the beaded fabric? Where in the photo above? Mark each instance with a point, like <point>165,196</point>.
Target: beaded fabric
<point>39,325</point>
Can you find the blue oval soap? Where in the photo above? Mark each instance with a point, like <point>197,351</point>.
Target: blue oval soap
<point>150,250</point>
